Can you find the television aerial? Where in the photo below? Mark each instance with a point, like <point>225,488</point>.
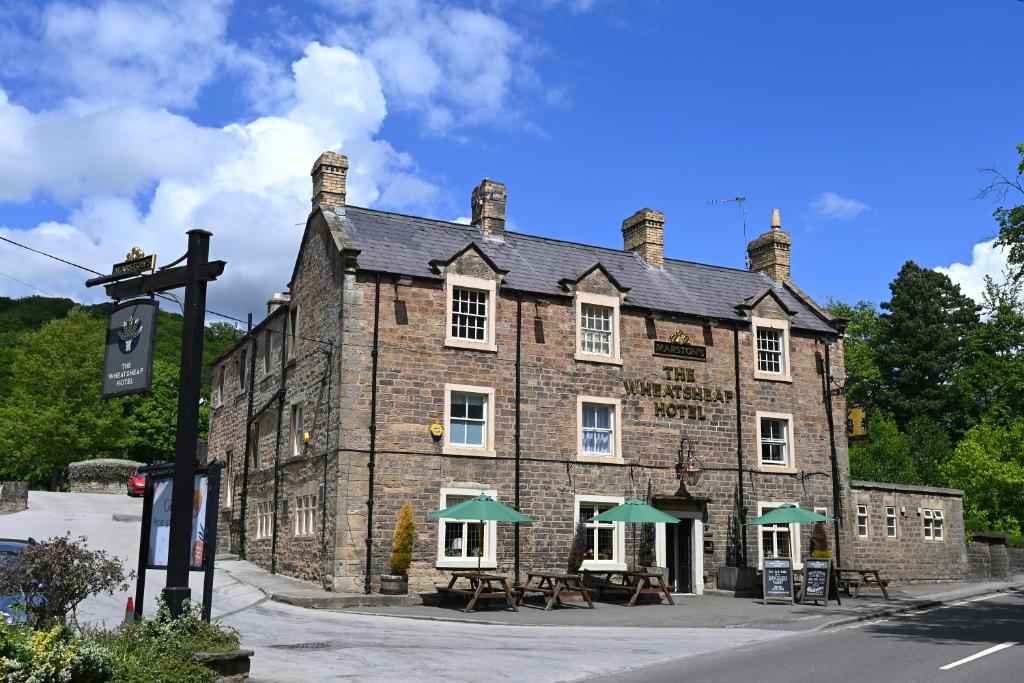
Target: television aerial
<point>739,200</point>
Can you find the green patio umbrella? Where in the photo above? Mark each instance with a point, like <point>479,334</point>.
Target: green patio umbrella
<point>788,514</point>
<point>634,511</point>
<point>481,509</point>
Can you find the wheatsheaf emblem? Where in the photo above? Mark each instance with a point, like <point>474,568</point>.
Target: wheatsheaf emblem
<point>129,332</point>
<point>679,337</point>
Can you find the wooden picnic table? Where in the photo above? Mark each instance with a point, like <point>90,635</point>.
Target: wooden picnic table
<point>848,578</point>
<point>481,586</point>
<point>552,586</point>
<point>636,583</point>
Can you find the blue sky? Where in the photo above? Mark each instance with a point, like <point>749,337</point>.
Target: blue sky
<point>865,123</point>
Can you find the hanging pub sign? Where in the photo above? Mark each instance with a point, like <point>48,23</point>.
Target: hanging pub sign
<point>679,346</point>
<point>131,334</point>
<point>778,579</point>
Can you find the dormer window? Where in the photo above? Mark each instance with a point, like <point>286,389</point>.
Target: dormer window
<point>470,312</point>
<point>597,328</point>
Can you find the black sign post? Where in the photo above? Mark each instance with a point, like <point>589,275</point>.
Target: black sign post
<point>198,270</point>
<point>817,581</point>
<point>778,579</point>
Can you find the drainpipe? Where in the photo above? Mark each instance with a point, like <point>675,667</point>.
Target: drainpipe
<point>826,380</point>
<point>372,464</point>
<point>248,434</point>
<point>327,455</point>
<point>277,446</point>
<point>739,445</point>
<point>519,348</point>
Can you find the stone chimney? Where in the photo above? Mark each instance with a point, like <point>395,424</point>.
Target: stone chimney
<point>644,233</point>
<point>488,208</point>
<point>329,173</point>
<point>276,301</point>
<point>769,253</point>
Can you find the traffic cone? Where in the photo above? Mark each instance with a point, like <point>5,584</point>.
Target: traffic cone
<point>129,610</point>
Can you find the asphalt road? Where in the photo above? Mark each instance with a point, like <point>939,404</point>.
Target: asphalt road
<point>929,645</point>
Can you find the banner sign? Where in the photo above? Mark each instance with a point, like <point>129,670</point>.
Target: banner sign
<point>131,335</point>
<point>160,522</point>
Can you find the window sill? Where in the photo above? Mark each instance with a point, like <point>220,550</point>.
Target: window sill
<point>478,452</point>
<point>778,469</point>
<point>596,458</point>
<point>470,345</point>
<point>772,377</point>
<point>594,358</point>
<point>605,566</point>
<point>467,563</point>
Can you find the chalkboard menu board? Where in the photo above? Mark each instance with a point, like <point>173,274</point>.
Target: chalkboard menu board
<point>778,579</point>
<point>817,576</point>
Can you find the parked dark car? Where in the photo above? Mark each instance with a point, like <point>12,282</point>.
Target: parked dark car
<point>136,485</point>
<point>9,549</point>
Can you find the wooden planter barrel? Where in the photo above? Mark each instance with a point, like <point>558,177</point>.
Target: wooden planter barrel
<point>394,584</point>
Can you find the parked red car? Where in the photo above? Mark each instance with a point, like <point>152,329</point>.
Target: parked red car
<point>136,485</point>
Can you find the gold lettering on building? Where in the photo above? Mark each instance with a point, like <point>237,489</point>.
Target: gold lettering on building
<point>681,386</point>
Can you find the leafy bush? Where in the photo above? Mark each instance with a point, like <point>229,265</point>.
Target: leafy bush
<point>102,469</point>
<point>52,656</point>
<point>401,547</point>
<point>54,576</point>
<point>578,551</point>
<point>162,649</point>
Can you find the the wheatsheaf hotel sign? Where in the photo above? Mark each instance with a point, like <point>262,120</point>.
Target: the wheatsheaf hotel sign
<point>678,385</point>
<point>131,332</point>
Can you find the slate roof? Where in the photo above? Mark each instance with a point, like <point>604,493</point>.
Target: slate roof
<point>405,245</point>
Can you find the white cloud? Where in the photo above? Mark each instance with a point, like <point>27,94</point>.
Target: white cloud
<point>986,259</point>
<point>246,182</point>
<point>833,205</point>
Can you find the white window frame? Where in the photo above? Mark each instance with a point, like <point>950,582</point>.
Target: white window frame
<point>938,526</point>
<point>292,324</point>
<point>254,443</point>
<point>304,513</point>
<point>616,455</point>
<point>227,478</point>
<point>490,287</point>
<point>926,519</point>
<point>489,413</point>
<point>773,324</point>
<point>264,519</point>
<point>794,534</point>
<point>295,441</point>
<point>612,302</point>
<point>618,561</point>
<point>890,522</point>
<point>789,465</point>
<point>862,521</point>
<point>489,559</point>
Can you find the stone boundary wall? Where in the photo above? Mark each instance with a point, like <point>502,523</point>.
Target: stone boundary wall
<point>988,557</point>
<point>13,496</point>
<point>103,475</point>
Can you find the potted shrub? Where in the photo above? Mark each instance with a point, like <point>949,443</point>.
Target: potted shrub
<point>578,550</point>
<point>819,542</point>
<point>397,582</point>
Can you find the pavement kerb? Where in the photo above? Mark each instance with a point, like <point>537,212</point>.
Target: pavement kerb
<point>915,605</point>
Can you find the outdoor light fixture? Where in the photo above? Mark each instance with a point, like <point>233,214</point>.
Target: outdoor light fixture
<point>688,467</point>
<point>305,437</point>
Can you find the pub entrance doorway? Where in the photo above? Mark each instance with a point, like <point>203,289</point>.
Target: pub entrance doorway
<point>679,555</point>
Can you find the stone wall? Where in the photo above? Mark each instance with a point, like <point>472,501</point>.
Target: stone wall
<point>908,556</point>
<point>103,475</point>
<point>990,558</point>
<point>13,496</point>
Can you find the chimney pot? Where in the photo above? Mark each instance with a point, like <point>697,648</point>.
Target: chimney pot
<point>277,300</point>
<point>644,233</point>
<point>487,207</point>
<point>769,252</point>
<point>329,176</point>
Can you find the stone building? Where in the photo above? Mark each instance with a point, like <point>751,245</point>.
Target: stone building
<point>419,360</point>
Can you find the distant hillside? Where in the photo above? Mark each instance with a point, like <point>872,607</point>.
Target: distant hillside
<point>18,316</point>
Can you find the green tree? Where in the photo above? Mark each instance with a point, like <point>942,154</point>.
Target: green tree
<point>860,343</point>
<point>53,414</point>
<point>988,464</point>
<point>920,346</point>
<point>1010,220</point>
<point>153,417</point>
<point>930,447</point>
<point>885,455</point>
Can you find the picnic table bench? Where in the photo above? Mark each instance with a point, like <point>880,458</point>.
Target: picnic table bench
<point>481,587</point>
<point>850,581</point>
<point>633,583</point>
<point>552,587</point>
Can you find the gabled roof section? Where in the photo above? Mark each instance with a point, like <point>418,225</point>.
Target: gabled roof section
<point>405,245</point>
<point>751,302</point>
<point>436,264</point>
<point>586,273</point>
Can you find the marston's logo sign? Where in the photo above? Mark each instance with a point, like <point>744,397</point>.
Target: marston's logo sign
<point>679,346</point>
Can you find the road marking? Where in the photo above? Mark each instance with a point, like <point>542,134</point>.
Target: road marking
<point>994,648</point>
